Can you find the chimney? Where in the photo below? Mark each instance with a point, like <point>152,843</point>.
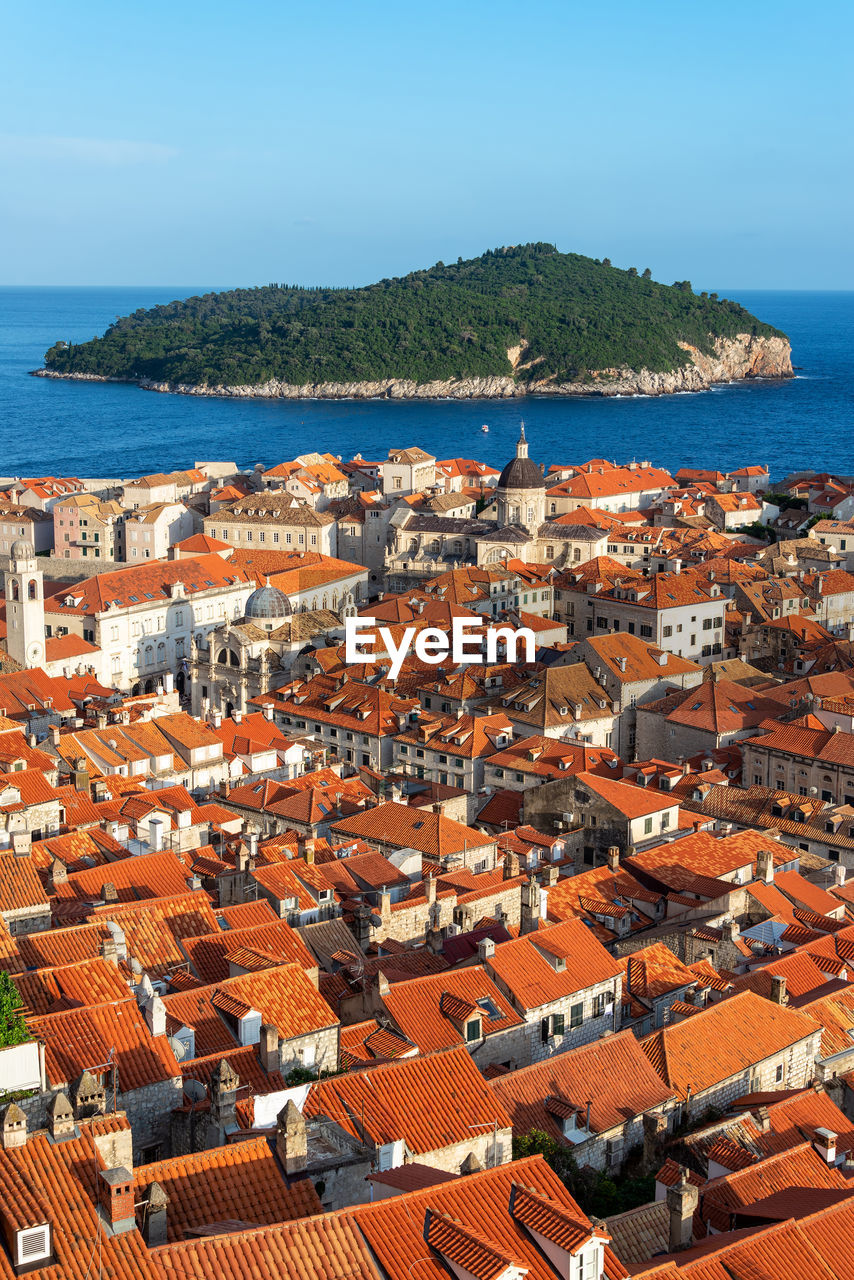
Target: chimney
<point>109,893</point>
<point>155,1016</point>
<point>511,866</point>
<point>291,1139</point>
<point>778,989</point>
<point>839,875</point>
<point>88,1096</point>
<point>13,1128</point>
<point>58,873</point>
<point>613,858</point>
<point>60,1118</point>
<point>430,890</point>
<point>237,716</point>
<point>252,837</point>
<point>549,877</point>
<point>765,866</point>
<point>729,930</point>
<point>154,1217</point>
<point>268,711</point>
<point>116,1188</point>
<point>224,1084</point>
<point>155,834</point>
<point>825,1144</point>
<point>682,1200</point>
<point>654,1130</point>
<point>485,949</point>
<point>109,950</point>
<point>268,1047</point>
<point>169,682</point>
<point>530,911</point>
<point>216,720</point>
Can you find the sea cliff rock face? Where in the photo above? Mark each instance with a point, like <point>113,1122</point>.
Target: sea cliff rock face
<point>734,359</point>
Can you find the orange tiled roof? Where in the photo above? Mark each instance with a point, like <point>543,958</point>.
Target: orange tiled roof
<point>208,955</point>
<point>429,1102</point>
<point>419,1007</point>
<point>613,1074</point>
<point>284,996</point>
<point>242,1181</point>
<point>89,982</point>
<point>20,886</point>
<point>403,827</point>
<point>80,1040</point>
<point>552,964</point>
<point>723,1040</point>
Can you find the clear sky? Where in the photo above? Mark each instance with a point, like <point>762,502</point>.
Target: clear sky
<point>338,141</point>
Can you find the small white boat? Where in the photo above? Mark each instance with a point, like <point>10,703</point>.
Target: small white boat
<point>484,427</point>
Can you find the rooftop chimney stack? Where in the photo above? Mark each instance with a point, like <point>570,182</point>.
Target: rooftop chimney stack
<point>60,1115</point>
<point>268,1048</point>
<point>13,1128</point>
<point>613,858</point>
<point>154,1215</point>
<point>116,1188</point>
<point>778,989</point>
<point>825,1144</point>
<point>291,1139</point>
<point>155,1016</point>
<point>765,866</point>
<point>682,1200</point>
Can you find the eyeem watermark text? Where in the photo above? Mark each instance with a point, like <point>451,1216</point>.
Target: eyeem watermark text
<point>469,642</point>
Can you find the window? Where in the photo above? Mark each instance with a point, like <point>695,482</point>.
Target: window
<point>647,826</point>
<point>558,1024</point>
<point>599,1005</point>
<point>576,1015</point>
<point>667,632</point>
<point>779,1074</point>
<point>472,1030</point>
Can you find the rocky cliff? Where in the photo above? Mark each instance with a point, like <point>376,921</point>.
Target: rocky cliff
<point>734,359</point>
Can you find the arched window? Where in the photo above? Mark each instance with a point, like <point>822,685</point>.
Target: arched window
<point>149,654</point>
<point>32,590</point>
<point>233,658</point>
<point>222,656</point>
<point>161,652</point>
<point>16,594</point>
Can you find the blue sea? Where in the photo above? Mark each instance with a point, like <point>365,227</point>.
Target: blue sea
<point>104,429</point>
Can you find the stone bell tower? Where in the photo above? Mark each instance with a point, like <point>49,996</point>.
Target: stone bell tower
<point>25,606</point>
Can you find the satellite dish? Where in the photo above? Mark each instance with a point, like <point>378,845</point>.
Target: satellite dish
<point>180,1051</point>
<point>195,1090</point>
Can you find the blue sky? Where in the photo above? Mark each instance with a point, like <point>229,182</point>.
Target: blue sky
<point>339,142</point>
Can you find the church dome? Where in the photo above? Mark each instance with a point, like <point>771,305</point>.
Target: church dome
<point>521,472</point>
<point>267,604</point>
<point>22,550</point>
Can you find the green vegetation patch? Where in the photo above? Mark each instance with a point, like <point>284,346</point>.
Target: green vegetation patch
<point>572,314</point>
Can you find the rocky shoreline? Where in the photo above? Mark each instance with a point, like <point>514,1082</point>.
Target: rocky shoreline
<point>734,359</point>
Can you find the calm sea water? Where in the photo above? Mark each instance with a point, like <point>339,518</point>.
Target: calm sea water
<point>103,429</point>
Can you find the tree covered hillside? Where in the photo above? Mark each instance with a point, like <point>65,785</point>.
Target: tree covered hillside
<point>576,314</point>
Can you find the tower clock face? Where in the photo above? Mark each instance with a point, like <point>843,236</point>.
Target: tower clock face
<point>34,652</point>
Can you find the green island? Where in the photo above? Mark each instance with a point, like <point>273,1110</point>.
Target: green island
<point>527,313</point>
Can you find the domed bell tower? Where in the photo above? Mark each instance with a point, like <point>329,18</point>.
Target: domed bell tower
<point>25,607</point>
<point>520,492</point>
